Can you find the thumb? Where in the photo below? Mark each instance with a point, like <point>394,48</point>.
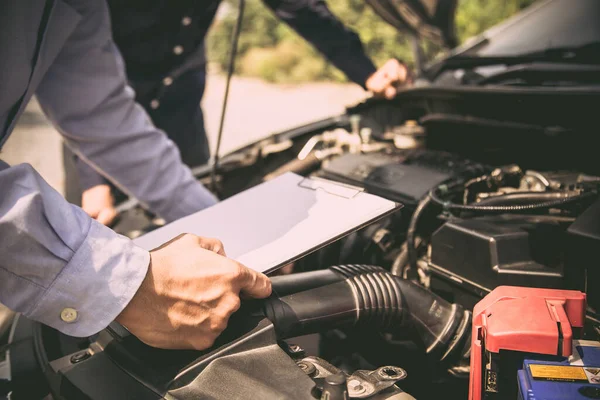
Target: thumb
<point>254,284</point>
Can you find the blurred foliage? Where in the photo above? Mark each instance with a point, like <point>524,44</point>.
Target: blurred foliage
<point>271,50</point>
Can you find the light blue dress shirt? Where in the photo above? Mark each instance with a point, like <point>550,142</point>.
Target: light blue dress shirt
<point>57,265</point>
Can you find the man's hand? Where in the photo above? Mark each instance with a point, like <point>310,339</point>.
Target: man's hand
<point>98,203</point>
<point>190,291</point>
<point>386,80</point>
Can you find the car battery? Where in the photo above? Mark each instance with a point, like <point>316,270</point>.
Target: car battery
<point>572,378</point>
<point>515,324</point>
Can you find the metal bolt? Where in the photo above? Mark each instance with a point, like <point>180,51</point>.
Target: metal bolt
<point>334,387</point>
<point>294,349</point>
<point>394,373</point>
<point>356,387</point>
<point>306,367</point>
<point>365,135</point>
<point>79,357</point>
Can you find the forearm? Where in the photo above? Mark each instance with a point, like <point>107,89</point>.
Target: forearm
<point>86,96</point>
<point>54,257</point>
<point>315,23</point>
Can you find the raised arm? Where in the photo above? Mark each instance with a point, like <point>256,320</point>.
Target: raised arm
<point>86,95</point>
<point>313,20</point>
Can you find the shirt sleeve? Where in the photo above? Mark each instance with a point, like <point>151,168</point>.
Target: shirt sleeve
<point>58,266</point>
<point>85,94</point>
<point>313,20</point>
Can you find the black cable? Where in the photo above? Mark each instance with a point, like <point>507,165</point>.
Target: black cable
<point>537,201</point>
<point>230,69</point>
<point>450,206</point>
<point>424,203</point>
<point>412,229</point>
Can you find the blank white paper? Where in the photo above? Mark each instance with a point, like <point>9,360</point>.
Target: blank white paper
<point>276,222</point>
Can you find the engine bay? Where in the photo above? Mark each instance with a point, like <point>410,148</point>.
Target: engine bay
<point>495,193</point>
<point>484,285</point>
<point>507,197</point>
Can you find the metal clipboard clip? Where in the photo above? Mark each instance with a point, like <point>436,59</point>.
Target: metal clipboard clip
<point>331,187</point>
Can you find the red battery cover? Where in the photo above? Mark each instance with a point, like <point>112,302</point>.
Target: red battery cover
<point>526,320</point>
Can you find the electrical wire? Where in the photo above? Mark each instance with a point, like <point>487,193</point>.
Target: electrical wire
<point>542,205</point>
<point>538,201</point>
<point>411,245</point>
<point>230,69</point>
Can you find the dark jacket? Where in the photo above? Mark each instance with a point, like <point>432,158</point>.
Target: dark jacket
<point>161,39</point>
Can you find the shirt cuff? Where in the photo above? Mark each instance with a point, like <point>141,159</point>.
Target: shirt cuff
<point>95,286</point>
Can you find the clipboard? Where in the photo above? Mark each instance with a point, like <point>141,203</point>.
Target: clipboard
<point>280,221</point>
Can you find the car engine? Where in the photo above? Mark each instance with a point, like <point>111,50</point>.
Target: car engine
<point>388,308</point>
<point>499,177</point>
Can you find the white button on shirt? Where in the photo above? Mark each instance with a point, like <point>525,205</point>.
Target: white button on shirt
<point>167,81</point>
<point>178,50</point>
<point>186,21</point>
<point>68,315</point>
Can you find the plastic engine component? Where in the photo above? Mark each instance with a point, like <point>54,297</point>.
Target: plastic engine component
<point>371,296</point>
<point>512,322</point>
<point>404,177</point>
<point>479,254</point>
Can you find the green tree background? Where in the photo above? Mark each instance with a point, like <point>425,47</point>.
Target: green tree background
<point>271,50</point>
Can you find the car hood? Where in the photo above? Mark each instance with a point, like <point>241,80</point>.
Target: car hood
<point>429,19</point>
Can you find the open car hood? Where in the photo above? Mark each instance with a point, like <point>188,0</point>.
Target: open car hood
<point>429,19</point>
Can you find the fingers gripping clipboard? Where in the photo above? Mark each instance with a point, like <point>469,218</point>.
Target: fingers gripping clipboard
<point>279,221</point>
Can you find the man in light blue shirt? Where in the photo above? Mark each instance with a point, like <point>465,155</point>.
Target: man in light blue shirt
<point>58,266</point>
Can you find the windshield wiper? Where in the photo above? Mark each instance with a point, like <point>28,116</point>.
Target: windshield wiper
<point>586,54</point>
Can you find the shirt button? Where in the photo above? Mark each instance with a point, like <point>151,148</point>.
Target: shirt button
<point>68,315</point>
<point>186,21</point>
<point>167,81</point>
<point>178,50</point>
<point>154,104</point>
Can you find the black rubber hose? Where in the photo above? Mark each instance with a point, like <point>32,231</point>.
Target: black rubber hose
<point>412,230</point>
<point>284,285</point>
<point>542,205</point>
<point>369,295</point>
<point>350,270</point>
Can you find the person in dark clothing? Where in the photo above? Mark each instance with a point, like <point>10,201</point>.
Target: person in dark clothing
<point>163,45</point>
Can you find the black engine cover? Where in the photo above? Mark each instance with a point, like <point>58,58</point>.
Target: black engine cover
<point>481,253</point>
